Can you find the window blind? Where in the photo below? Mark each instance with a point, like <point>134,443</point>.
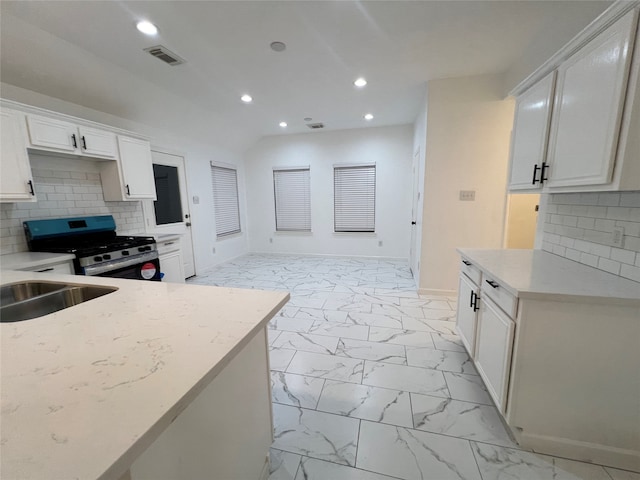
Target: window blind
<point>225,200</point>
<point>354,190</point>
<point>292,195</point>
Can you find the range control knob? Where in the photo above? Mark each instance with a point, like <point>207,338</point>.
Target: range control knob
<point>125,253</point>
<point>97,259</point>
<point>144,249</point>
<point>107,257</point>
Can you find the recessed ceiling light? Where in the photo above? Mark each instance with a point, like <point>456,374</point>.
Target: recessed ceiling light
<point>147,28</point>
<point>246,98</point>
<point>307,119</point>
<point>278,46</point>
<point>368,116</point>
<point>283,124</point>
<point>360,82</point>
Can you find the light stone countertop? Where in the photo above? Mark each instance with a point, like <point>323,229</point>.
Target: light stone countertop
<point>542,275</point>
<point>32,260</point>
<point>87,389</point>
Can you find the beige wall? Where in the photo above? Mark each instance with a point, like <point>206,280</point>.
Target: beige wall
<point>467,148</point>
<point>521,220</point>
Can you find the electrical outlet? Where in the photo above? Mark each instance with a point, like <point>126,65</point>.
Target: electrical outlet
<point>196,199</point>
<point>618,236</point>
<point>467,195</point>
<point>379,243</point>
<point>213,250</point>
<point>271,240</point>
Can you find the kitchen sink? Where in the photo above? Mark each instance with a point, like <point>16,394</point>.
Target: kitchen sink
<point>27,300</point>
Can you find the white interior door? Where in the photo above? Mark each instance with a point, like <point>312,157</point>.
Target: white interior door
<point>414,248</point>
<point>176,218</point>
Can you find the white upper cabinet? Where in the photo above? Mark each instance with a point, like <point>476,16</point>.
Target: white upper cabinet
<point>590,96</point>
<point>52,134</point>
<point>137,168</point>
<point>16,184</point>
<point>530,135</point>
<point>56,135</point>
<point>97,143</point>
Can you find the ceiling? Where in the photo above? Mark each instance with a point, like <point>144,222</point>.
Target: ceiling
<point>89,52</point>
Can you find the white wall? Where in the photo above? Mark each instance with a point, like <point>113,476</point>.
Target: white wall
<point>389,147</point>
<point>197,155</point>
<point>467,148</point>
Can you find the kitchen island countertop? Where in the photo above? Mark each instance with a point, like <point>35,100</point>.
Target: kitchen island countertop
<point>87,389</point>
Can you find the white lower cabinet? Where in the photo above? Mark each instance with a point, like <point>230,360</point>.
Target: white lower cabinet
<point>494,343</point>
<point>171,264</point>
<point>467,313</point>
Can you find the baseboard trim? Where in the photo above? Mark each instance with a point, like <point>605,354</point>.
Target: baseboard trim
<point>331,255</point>
<point>432,291</point>
<point>622,458</point>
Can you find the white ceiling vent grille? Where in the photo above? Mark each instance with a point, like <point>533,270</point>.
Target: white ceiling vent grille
<point>315,126</point>
<point>166,55</point>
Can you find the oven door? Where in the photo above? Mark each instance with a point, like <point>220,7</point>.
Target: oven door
<point>146,270</point>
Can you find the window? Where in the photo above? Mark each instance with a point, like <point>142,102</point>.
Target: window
<point>293,199</point>
<point>168,206</point>
<point>225,200</point>
<point>354,198</point>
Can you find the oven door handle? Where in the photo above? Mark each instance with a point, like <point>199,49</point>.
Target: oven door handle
<point>120,263</point>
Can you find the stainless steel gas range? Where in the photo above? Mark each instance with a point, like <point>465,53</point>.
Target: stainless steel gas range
<point>98,250</point>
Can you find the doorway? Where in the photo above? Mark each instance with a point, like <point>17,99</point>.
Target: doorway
<point>522,217</point>
<point>170,214</point>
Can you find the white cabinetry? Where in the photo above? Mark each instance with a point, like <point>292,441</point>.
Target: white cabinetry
<point>131,176</point>
<point>493,350</point>
<point>52,134</point>
<point>594,118</point>
<point>588,108</point>
<point>467,312</point>
<point>530,135</point>
<point>171,263</point>
<point>16,184</point>
<point>62,268</point>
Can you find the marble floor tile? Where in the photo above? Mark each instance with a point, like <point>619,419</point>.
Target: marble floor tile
<point>279,358</point>
<point>370,319</point>
<point>396,310</point>
<point>400,337</point>
<point>306,342</point>
<point>296,390</point>
<point>616,474</point>
<point>303,301</point>
<point>451,343</point>
<point>369,403</point>
<point>408,379</point>
<point>459,419</point>
<point>468,388</point>
<point>315,434</point>
<point>322,315</point>
<point>344,330</point>
<point>438,305</point>
<point>439,314</point>
<point>378,352</point>
<point>327,366</point>
<point>342,306</point>
<point>499,463</point>
<point>283,465</point>
<point>426,325</point>
<point>410,454</point>
<point>288,311</point>
<point>396,292</point>
<point>444,360</point>
<point>313,469</point>
<point>290,324</point>
<point>272,335</point>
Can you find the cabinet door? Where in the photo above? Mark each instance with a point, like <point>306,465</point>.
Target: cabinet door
<point>530,135</point>
<point>467,316</point>
<point>493,350</point>
<point>15,182</point>
<point>50,134</point>
<point>171,266</point>
<point>137,169</point>
<point>98,143</point>
<point>588,106</point>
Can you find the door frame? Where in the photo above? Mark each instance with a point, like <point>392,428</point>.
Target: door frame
<point>414,243</point>
<point>185,231</point>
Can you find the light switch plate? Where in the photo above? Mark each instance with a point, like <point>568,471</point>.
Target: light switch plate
<point>618,236</point>
<point>467,195</point>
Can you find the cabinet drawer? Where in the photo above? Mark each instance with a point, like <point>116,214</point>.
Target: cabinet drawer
<point>496,292</point>
<point>471,271</point>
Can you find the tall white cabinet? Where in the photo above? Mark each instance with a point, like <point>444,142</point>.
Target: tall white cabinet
<point>16,184</point>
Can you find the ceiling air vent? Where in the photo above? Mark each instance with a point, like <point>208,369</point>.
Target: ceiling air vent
<point>166,55</point>
<point>315,126</point>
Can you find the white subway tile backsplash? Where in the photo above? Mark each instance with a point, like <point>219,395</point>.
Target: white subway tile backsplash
<point>64,188</point>
<point>590,239</point>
